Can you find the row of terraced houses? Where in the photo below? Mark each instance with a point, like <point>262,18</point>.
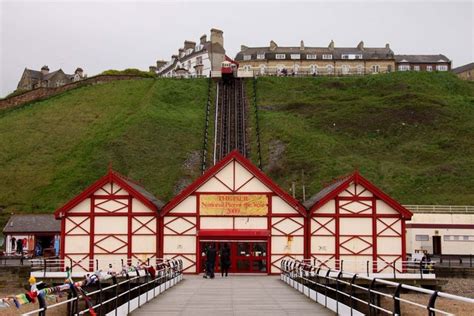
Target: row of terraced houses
<point>194,60</point>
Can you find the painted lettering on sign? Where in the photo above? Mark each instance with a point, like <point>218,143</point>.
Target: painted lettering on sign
<point>234,205</point>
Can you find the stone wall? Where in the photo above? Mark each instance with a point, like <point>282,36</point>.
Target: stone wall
<point>44,93</point>
<point>14,276</point>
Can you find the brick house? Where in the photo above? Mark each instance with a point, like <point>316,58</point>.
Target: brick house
<point>422,63</point>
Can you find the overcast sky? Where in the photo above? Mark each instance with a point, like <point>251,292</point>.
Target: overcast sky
<point>119,34</point>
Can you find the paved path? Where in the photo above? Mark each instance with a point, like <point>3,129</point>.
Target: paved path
<point>235,295</point>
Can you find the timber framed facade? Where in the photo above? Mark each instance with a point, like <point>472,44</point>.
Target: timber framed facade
<point>117,221</point>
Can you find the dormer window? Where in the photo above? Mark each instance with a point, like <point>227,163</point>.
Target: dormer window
<point>247,57</point>
<point>295,56</point>
<point>327,56</point>
<point>311,56</point>
<point>280,56</point>
<point>261,56</point>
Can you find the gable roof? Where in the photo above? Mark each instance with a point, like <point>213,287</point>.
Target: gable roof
<point>463,68</point>
<point>247,164</point>
<point>135,190</point>
<point>332,190</point>
<point>32,223</point>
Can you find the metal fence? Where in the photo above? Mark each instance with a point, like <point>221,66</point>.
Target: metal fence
<point>122,296</point>
<point>348,293</point>
<point>456,209</point>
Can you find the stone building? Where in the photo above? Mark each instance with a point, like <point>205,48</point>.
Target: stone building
<point>32,79</point>
<point>465,72</point>
<point>194,60</point>
<point>422,63</point>
<point>306,60</point>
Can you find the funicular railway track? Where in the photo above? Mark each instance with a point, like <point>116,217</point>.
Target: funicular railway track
<point>230,119</point>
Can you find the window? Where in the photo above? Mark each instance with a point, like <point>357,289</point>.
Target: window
<point>262,69</point>
<point>280,56</point>
<point>360,69</point>
<point>246,68</point>
<point>442,67</point>
<point>261,56</point>
<point>345,69</point>
<point>375,69</point>
<point>295,69</point>
<point>199,60</point>
<point>247,57</point>
<point>429,68</point>
<point>422,237</point>
<point>189,51</point>
<point>189,65</point>
<point>403,67</point>
<point>465,238</point>
<point>327,56</point>
<point>416,68</point>
<point>313,69</point>
<point>311,56</point>
<point>358,56</point>
<point>295,56</point>
<point>329,69</point>
<point>345,56</point>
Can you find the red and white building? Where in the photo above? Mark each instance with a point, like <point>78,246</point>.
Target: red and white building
<point>234,203</point>
<point>352,222</point>
<point>114,219</point>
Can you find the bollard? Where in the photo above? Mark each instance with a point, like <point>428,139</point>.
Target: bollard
<point>367,267</point>
<point>470,260</point>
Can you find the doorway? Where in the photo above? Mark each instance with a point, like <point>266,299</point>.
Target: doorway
<point>247,256</point>
<point>436,245</point>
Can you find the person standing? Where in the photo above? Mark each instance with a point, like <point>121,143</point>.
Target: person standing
<point>225,260</point>
<point>19,246</point>
<point>13,243</point>
<point>210,261</point>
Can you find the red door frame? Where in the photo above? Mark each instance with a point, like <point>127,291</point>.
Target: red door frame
<point>231,239</point>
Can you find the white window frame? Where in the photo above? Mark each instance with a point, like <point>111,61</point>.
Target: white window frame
<point>345,69</point>
<point>345,56</point>
<point>358,56</point>
<point>262,69</point>
<point>261,56</point>
<point>311,56</point>
<point>429,68</point>
<point>280,56</point>
<point>416,68</point>
<point>360,69</point>
<point>313,69</point>
<point>442,67</point>
<point>327,56</point>
<point>247,57</point>
<point>295,56</point>
<point>403,67</point>
<point>375,69</point>
<point>422,237</point>
<point>329,69</point>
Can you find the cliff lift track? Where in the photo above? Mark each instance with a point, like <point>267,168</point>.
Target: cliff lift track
<point>230,119</point>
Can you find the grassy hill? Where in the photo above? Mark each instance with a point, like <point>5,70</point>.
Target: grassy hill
<point>410,133</point>
<point>147,129</point>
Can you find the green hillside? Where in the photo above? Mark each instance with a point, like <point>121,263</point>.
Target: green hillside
<point>410,133</point>
<point>147,129</point>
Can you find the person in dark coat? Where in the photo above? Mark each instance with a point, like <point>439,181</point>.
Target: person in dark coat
<point>19,246</point>
<point>225,260</point>
<point>210,261</point>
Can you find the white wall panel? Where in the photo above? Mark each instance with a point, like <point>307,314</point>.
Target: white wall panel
<point>111,224</point>
<point>280,206</point>
<point>82,207</point>
<point>179,244</point>
<point>77,244</point>
<point>355,226</point>
<point>188,205</point>
<point>216,223</point>
<point>251,222</point>
<point>144,243</point>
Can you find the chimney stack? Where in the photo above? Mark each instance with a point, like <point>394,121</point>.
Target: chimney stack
<point>387,45</point>
<point>301,45</point>
<point>79,72</point>
<point>331,45</point>
<point>217,37</point>
<point>273,45</point>
<point>152,69</point>
<point>45,70</point>
<point>361,45</point>
<point>160,63</point>
<point>243,48</point>
<point>189,44</point>
<point>203,39</point>
<point>181,52</point>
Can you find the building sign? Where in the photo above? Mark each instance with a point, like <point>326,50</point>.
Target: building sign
<point>234,205</point>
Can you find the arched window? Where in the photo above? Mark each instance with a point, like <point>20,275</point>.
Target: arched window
<point>346,69</point>
<point>375,69</point>
<point>262,69</point>
<point>360,69</point>
<point>246,68</point>
<point>330,69</point>
<point>313,69</point>
<point>296,67</point>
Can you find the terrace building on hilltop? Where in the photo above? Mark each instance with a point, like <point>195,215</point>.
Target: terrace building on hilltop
<point>465,72</point>
<point>32,79</point>
<point>305,60</point>
<point>194,60</point>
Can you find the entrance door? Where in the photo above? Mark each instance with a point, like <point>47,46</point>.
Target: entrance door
<point>436,245</point>
<point>246,256</point>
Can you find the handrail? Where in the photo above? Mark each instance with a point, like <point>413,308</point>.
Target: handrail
<point>166,271</point>
<point>456,209</point>
<point>307,274</point>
